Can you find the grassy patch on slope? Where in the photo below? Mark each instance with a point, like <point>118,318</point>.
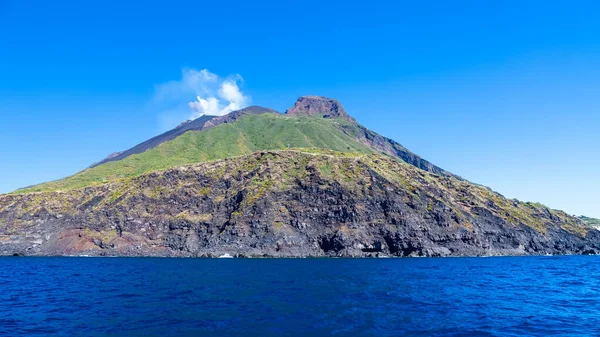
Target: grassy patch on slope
<point>247,135</point>
<point>590,221</point>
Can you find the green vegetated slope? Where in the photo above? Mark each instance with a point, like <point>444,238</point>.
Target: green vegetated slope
<point>267,131</point>
<point>590,221</point>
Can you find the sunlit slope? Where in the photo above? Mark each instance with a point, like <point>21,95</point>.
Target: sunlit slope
<point>267,131</point>
<point>590,221</point>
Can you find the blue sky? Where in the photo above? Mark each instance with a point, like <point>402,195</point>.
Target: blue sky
<point>503,93</point>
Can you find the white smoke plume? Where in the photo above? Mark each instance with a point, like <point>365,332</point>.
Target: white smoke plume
<point>214,95</point>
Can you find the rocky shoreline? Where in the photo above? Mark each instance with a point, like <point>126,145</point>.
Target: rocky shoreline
<point>288,204</point>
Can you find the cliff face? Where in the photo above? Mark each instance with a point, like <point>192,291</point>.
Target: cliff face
<point>288,203</point>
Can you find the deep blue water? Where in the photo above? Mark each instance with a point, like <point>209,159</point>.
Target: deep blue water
<point>507,296</point>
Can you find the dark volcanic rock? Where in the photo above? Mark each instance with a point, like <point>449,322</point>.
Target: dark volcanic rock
<point>318,106</point>
<point>284,204</point>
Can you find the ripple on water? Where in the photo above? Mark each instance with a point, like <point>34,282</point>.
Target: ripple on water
<point>532,296</point>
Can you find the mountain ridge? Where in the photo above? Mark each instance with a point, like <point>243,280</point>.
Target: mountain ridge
<point>337,128</point>
<point>198,124</point>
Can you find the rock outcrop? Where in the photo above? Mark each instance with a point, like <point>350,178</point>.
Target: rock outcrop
<point>318,106</point>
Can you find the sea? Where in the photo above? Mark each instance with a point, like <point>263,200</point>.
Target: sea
<point>496,296</point>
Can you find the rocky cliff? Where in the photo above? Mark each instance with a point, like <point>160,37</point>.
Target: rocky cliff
<point>288,203</point>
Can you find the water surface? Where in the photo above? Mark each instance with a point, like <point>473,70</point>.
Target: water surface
<point>505,296</point>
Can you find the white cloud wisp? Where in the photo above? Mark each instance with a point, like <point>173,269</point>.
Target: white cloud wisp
<point>215,96</point>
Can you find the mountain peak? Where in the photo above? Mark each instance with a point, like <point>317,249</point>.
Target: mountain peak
<point>318,106</point>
